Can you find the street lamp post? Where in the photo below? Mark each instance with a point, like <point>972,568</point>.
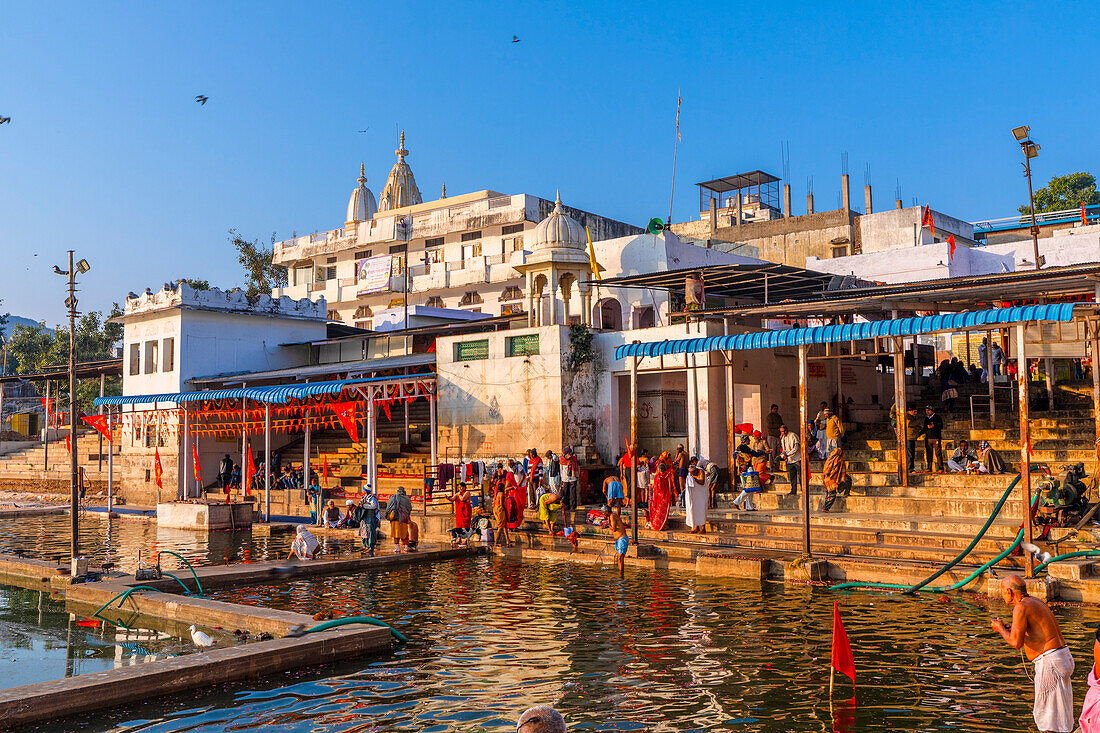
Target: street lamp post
<point>81,267</point>
<point>1030,149</point>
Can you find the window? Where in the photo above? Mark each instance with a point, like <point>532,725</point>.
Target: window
<point>168,346</point>
<point>397,265</point>
<point>471,297</point>
<point>512,292</point>
<point>334,316</point>
<point>841,251</point>
<point>470,251</point>
<point>435,302</point>
<point>513,244</point>
<point>512,228</point>
<point>471,236</point>
<point>433,255</point>
<point>433,242</point>
<point>362,255</point>
<point>150,357</point>
<point>472,350</point>
<point>303,275</point>
<point>331,261</point>
<point>397,248</point>
<point>326,273</point>
<point>522,345</point>
<point>135,359</point>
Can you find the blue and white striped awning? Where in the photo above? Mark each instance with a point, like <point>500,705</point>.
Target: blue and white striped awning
<point>275,394</point>
<point>850,331</point>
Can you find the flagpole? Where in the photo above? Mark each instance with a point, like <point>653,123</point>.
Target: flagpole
<point>675,149</point>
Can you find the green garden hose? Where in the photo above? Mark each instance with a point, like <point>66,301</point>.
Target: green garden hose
<point>357,620</point>
<point>184,560</point>
<point>973,543</point>
<point>1068,555</point>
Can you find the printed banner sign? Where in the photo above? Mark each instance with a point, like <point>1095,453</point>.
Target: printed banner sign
<point>374,274</point>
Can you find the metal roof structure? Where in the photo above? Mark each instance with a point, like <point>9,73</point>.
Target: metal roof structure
<point>275,394</point>
<point>321,370</point>
<point>740,180</point>
<point>766,282</point>
<point>850,331</point>
<point>84,370</point>
<point>949,294</point>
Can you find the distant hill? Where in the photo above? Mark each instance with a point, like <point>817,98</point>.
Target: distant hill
<point>14,321</point>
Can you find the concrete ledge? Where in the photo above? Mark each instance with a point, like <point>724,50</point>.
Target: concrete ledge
<point>204,517</point>
<point>812,571</point>
<point>84,693</point>
<point>718,566</point>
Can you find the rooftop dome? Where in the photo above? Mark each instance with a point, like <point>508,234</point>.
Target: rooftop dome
<point>361,205</point>
<point>400,189</point>
<point>559,230</point>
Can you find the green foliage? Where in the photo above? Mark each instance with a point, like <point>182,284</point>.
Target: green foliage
<point>580,345</point>
<point>261,273</point>
<point>1065,192</point>
<point>195,284</point>
<point>34,348</point>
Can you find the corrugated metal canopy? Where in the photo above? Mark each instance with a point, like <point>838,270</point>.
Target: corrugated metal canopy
<point>321,370</point>
<point>759,282</point>
<point>850,331</point>
<point>275,394</point>
<point>740,180</point>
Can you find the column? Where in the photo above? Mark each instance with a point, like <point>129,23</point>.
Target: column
<point>46,432</point>
<point>306,450</point>
<point>1025,452</point>
<point>372,448</point>
<point>989,378</point>
<point>267,462</point>
<point>102,384</point>
<point>432,398</point>
<point>901,401</point>
<point>1048,367</point>
<point>244,447</point>
<point>633,448</point>
<point>110,461</point>
<point>1094,348</point>
<point>185,459</point>
<point>804,477</point>
<point>731,421</point>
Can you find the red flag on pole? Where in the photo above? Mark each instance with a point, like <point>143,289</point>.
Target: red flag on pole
<point>250,470</point>
<point>386,409</point>
<point>99,422</point>
<point>158,470</point>
<point>1084,217</point>
<point>345,413</point>
<point>926,220</point>
<point>842,651</point>
<point>951,246</point>
<point>198,467</point>
<point>68,443</point>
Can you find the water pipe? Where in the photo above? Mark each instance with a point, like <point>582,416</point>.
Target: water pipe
<point>357,620</point>
<point>124,595</point>
<point>1068,555</point>
<point>973,543</point>
<point>184,560</point>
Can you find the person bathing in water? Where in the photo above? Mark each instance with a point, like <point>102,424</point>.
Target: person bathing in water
<point>618,531</point>
<point>1035,630</point>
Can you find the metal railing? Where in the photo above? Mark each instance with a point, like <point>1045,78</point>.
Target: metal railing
<point>1011,387</point>
<point>1024,220</point>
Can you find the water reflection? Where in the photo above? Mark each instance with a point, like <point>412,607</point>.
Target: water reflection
<point>653,651</point>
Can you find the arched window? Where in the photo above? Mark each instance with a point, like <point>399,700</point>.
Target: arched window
<point>512,292</point>
<point>334,315</point>
<point>471,297</point>
<point>435,302</point>
<point>609,315</point>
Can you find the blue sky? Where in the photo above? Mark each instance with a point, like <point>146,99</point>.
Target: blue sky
<point>108,153</point>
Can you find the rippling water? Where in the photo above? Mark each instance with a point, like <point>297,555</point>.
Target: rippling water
<point>653,651</point>
<point>120,540</point>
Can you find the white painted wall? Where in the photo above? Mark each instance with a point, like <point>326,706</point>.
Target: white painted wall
<point>912,264</point>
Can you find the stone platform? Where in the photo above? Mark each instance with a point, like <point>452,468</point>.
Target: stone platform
<point>204,517</point>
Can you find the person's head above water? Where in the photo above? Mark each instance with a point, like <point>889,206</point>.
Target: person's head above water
<point>1013,588</point>
<point>541,719</point>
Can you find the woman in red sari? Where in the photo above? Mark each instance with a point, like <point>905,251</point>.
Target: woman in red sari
<point>463,508</point>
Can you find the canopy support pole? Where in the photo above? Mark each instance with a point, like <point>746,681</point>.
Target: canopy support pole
<point>306,472</point>
<point>267,462</point>
<point>110,461</point>
<point>988,366</point>
<point>244,449</point>
<point>633,449</point>
<point>804,467</point>
<point>1048,367</point>
<point>185,492</point>
<point>901,408</point>
<point>1094,346</point>
<point>1022,379</point>
<point>731,419</point>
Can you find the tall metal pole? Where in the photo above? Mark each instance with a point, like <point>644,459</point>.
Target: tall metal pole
<point>74,497</point>
<point>110,461</point>
<point>102,384</point>
<point>1022,379</point>
<point>1031,199</point>
<point>267,462</point>
<point>989,378</point>
<point>901,409</point>
<point>46,433</point>
<point>432,397</point>
<point>306,471</point>
<point>633,448</point>
<point>804,467</point>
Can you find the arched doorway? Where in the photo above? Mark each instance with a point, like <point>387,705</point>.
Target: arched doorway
<point>609,315</point>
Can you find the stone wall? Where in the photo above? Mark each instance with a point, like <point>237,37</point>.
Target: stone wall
<point>789,240</point>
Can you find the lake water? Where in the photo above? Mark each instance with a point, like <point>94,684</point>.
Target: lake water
<point>652,651</point>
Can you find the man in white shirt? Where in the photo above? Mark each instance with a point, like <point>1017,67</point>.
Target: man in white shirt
<point>792,454</point>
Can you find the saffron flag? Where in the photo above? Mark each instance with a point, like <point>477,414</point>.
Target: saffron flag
<point>345,413</point>
<point>592,256</point>
<point>198,467</point>
<point>99,422</point>
<point>68,443</point>
<point>386,408</point>
<point>926,220</point>
<point>678,115</point>
<point>843,661</point>
<point>158,470</point>
<point>1084,217</point>
<point>951,247</point>
<point>250,471</point>
<point>744,428</point>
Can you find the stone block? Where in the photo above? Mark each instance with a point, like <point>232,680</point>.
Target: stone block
<point>204,517</point>
<point>717,566</point>
<point>813,571</point>
<point>643,550</point>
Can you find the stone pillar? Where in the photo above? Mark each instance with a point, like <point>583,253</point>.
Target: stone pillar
<point>897,204</point>
<point>810,202</point>
<point>786,200</point>
<point>713,215</point>
<point>739,208</point>
<point>845,193</point>
<point>867,208</point>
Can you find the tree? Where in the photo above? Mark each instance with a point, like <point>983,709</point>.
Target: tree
<point>261,273</point>
<point>34,348</point>
<point>1065,192</point>
<point>195,284</point>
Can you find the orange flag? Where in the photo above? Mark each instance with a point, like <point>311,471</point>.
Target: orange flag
<point>158,470</point>
<point>951,245</point>
<point>345,413</point>
<point>843,661</point>
<point>68,443</point>
<point>99,422</point>
<point>1084,217</point>
<point>198,467</point>
<point>926,220</point>
<point>250,470</point>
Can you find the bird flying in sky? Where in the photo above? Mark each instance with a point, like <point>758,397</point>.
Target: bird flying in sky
<point>515,39</point>
<point>4,119</point>
<point>201,99</point>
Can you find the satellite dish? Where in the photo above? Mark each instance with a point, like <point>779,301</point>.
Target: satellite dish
<point>656,226</point>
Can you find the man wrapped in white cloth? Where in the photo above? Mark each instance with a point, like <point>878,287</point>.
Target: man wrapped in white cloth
<point>1035,630</point>
<point>305,544</point>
